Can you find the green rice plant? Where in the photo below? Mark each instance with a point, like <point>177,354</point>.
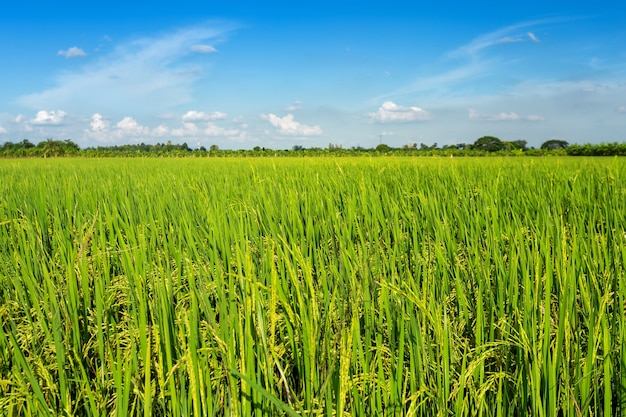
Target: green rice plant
<point>322,286</point>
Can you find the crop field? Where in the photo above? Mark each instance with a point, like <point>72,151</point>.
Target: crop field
<point>313,286</point>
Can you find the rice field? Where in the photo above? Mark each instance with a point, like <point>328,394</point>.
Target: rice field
<point>321,287</point>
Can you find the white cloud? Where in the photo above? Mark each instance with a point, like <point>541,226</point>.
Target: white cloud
<point>533,37</point>
<point>297,105</point>
<point>475,115</point>
<point>508,39</point>
<point>19,118</point>
<point>213,130</point>
<point>390,112</point>
<point>124,131</point>
<point>621,109</point>
<point>198,116</point>
<point>3,130</point>
<point>73,52</point>
<point>129,127</point>
<point>203,49</point>
<point>49,117</point>
<point>502,116</point>
<point>160,130</point>
<point>188,129</point>
<point>150,74</point>
<point>287,126</point>
<point>98,124</point>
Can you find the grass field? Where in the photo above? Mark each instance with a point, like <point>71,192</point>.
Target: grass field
<point>385,286</point>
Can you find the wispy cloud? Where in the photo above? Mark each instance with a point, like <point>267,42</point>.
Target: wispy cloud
<point>198,116</point>
<point>3,130</point>
<point>508,39</point>
<point>73,52</point>
<point>533,37</point>
<point>508,34</point>
<point>203,49</point>
<point>287,126</point>
<point>441,82</point>
<point>296,105</point>
<point>146,74</point>
<point>390,112</point>
<point>470,61</point>
<point>621,109</point>
<point>501,117</point>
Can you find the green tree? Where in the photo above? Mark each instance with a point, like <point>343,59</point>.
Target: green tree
<point>49,148</point>
<point>488,144</point>
<point>554,144</point>
<point>26,144</point>
<point>69,147</point>
<point>383,148</point>
<point>515,145</point>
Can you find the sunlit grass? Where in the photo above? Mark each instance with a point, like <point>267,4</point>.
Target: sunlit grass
<point>313,287</point>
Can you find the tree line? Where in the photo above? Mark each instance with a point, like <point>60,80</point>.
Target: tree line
<point>486,145</point>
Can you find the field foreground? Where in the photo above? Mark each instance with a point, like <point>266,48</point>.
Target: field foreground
<point>386,286</point>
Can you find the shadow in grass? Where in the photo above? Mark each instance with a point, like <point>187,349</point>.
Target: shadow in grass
<point>268,395</point>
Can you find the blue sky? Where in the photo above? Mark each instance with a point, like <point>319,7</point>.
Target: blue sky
<point>276,74</point>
